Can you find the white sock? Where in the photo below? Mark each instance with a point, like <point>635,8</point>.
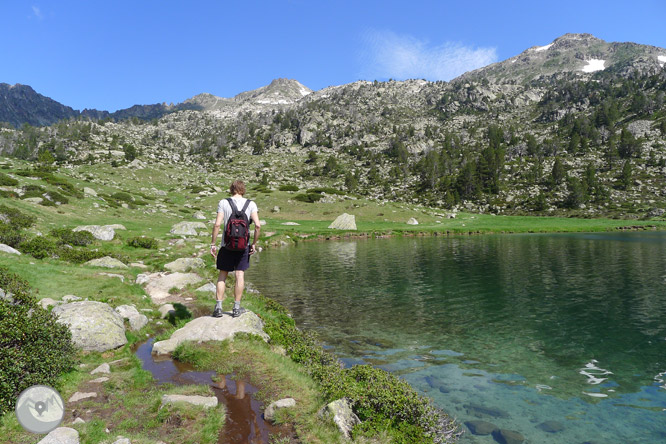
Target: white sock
<point>218,304</point>
<point>237,305</point>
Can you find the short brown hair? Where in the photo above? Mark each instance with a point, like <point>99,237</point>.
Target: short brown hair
<point>237,187</point>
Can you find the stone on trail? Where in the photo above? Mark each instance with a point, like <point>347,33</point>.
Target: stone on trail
<point>185,264</point>
<point>159,284</point>
<point>103,368</point>
<point>208,328</point>
<point>205,401</point>
<point>209,287</point>
<point>343,416</point>
<point>9,250</point>
<point>61,435</point>
<point>78,396</point>
<point>187,228</point>
<point>481,427</point>
<point>344,222</point>
<point>105,233</point>
<point>271,410</point>
<point>95,326</point>
<point>412,221</point>
<point>106,262</point>
<point>503,436</point>
<point>136,320</point>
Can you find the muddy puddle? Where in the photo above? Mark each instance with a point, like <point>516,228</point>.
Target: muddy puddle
<point>244,419</point>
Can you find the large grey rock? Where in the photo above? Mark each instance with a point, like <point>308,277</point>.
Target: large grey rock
<point>273,407</point>
<point>105,233</point>
<point>95,326</point>
<point>106,262</point>
<point>344,222</point>
<point>204,401</point>
<point>343,416</point>
<point>159,284</point>
<point>7,249</point>
<point>187,228</point>
<point>412,221</point>
<point>212,329</point>
<point>185,264</point>
<point>61,435</point>
<point>136,320</point>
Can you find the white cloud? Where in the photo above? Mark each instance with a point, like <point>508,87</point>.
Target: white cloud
<point>37,12</point>
<point>389,55</point>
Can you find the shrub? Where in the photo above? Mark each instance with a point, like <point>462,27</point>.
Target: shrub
<point>10,236</point>
<point>7,181</point>
<point>38,247</point>
<point>16,218</point>
<point>79,255</point>
<point>34,348</point>
<point>123,196</point>
<point>75,238</point>
<point>33,191</point>
<point>309,197</point>
<point>142,242</point>
<point>49,178</point>
<point>57,197</point>
<point>327,190</point>
<point>288,187</point>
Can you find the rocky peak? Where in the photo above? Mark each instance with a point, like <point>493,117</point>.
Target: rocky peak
<point>278,92</point>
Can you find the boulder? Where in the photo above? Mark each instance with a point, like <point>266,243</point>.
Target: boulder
<point>209,287</point>
<point>159,284</point>
<point>276,209</point>
<point>273,407</point>
<point>104,233</point>
<point>61,435</point>
<point>136,320</point>
<point>9,250</point>
<point>205,401</point>
<point>187,228</point>
<point>212,329</point>
<point>89,192</point>
<point>185,264</point>
<point>503,436</point>
<point>343,416</point>
<point>344,222</point>
<point>412,221</point>
<point>94,325</point>
<point>106,262</point>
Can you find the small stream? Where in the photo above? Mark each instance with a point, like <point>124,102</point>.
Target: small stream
<point>244,419</point>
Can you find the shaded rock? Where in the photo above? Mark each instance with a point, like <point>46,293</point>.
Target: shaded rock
<point>78,396</point>
<point>212,329</point>
<point>205,401</point>
<point>104,233</point>
<point>47,302</point>
<point>476,410</point>
<point>106,262</point>
<point>480,427</point>
<point>412,221</point>
<point>103,368</point>
<point>159,284</point>
<point>187,228</point>
<point>344,222</point>
<point>343,416</point>
<point>89,192</point>
<point>209,287</point>
<point>9,250</point>
<point>94,325</point>
<point>503,436</point>
<point>273,407</point>
<point>61,435</point>
<point>185,264</point>
<point>136,320</point>
<point>165,310</point>
<point>551,426</point>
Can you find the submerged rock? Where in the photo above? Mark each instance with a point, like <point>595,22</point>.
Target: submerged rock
<point>480,427</point>
<point>503,436</point>
<point>476,410</point>
<point>551,426</point>
<point>95,326</point>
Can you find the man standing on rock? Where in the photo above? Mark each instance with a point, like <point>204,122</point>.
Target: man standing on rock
<point>228,260</point>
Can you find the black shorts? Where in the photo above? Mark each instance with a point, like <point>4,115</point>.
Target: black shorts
<point>233,260</point>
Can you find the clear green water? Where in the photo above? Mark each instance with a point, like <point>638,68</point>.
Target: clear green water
<point>515,330</point>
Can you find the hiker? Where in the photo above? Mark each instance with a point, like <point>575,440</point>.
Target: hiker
<point>236,214</point>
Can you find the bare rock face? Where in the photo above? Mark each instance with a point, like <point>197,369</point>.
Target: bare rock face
<point>343,416</point>
<point>105,232</point>
<point>61,435</point>
<point>159,284</point>
<point>185,264</point>
<point>344,222</point>
<point>212,329</point>
<point>95,326</point>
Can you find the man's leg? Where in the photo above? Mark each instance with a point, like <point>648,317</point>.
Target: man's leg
<point>219,293</point>
<point>238,291</point>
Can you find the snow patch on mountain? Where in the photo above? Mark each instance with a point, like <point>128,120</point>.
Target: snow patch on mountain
<point>662,60</point>
<point>594,65</point>
<point>542,48</point>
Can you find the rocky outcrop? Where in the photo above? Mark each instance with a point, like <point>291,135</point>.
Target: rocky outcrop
<point>212,329</point>
<point>344,222</point>
<point>94,325</point>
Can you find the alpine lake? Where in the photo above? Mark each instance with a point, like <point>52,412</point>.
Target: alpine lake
<point>559,337</point>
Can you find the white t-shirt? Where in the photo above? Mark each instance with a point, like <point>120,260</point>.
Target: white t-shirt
<point>224,207</point>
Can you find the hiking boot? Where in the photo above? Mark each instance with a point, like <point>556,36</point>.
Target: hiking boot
<point>217,313</point>
<point>237,312</point>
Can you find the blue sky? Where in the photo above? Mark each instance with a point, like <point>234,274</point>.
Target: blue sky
<point>114,54</point>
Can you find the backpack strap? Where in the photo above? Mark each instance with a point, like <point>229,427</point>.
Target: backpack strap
<point>234,209</point>
<point>247,204</point>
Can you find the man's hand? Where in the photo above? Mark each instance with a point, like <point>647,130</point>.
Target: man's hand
<point>213,251</point>
<point>253,249</point>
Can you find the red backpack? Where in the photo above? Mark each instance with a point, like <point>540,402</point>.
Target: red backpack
<point>237,231</point>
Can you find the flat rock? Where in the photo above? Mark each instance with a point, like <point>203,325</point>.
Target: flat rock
<point>344,222</point>
<point>412,221</point>
<point>103,368</point>
<point>78,396</point>
<point>290,223</point>
<point>61,435</point>
<point>105,233</point>
<point>503,436</point>
<point>273,407</point>
<point>116,226</point>
<point>343,416</point>
<point>205,401</point>
<point>94,325</point>
<point>9,250</point>
<point>187,228</point>
<point>481,427</point>
<point>165,310</point>
<point>212,329</point>
<point>106,262</point>
<point>159,284</point>
<point>185,264</point>
<point>209,287</point>
<point>136,320</point>
<point>551,426</point>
